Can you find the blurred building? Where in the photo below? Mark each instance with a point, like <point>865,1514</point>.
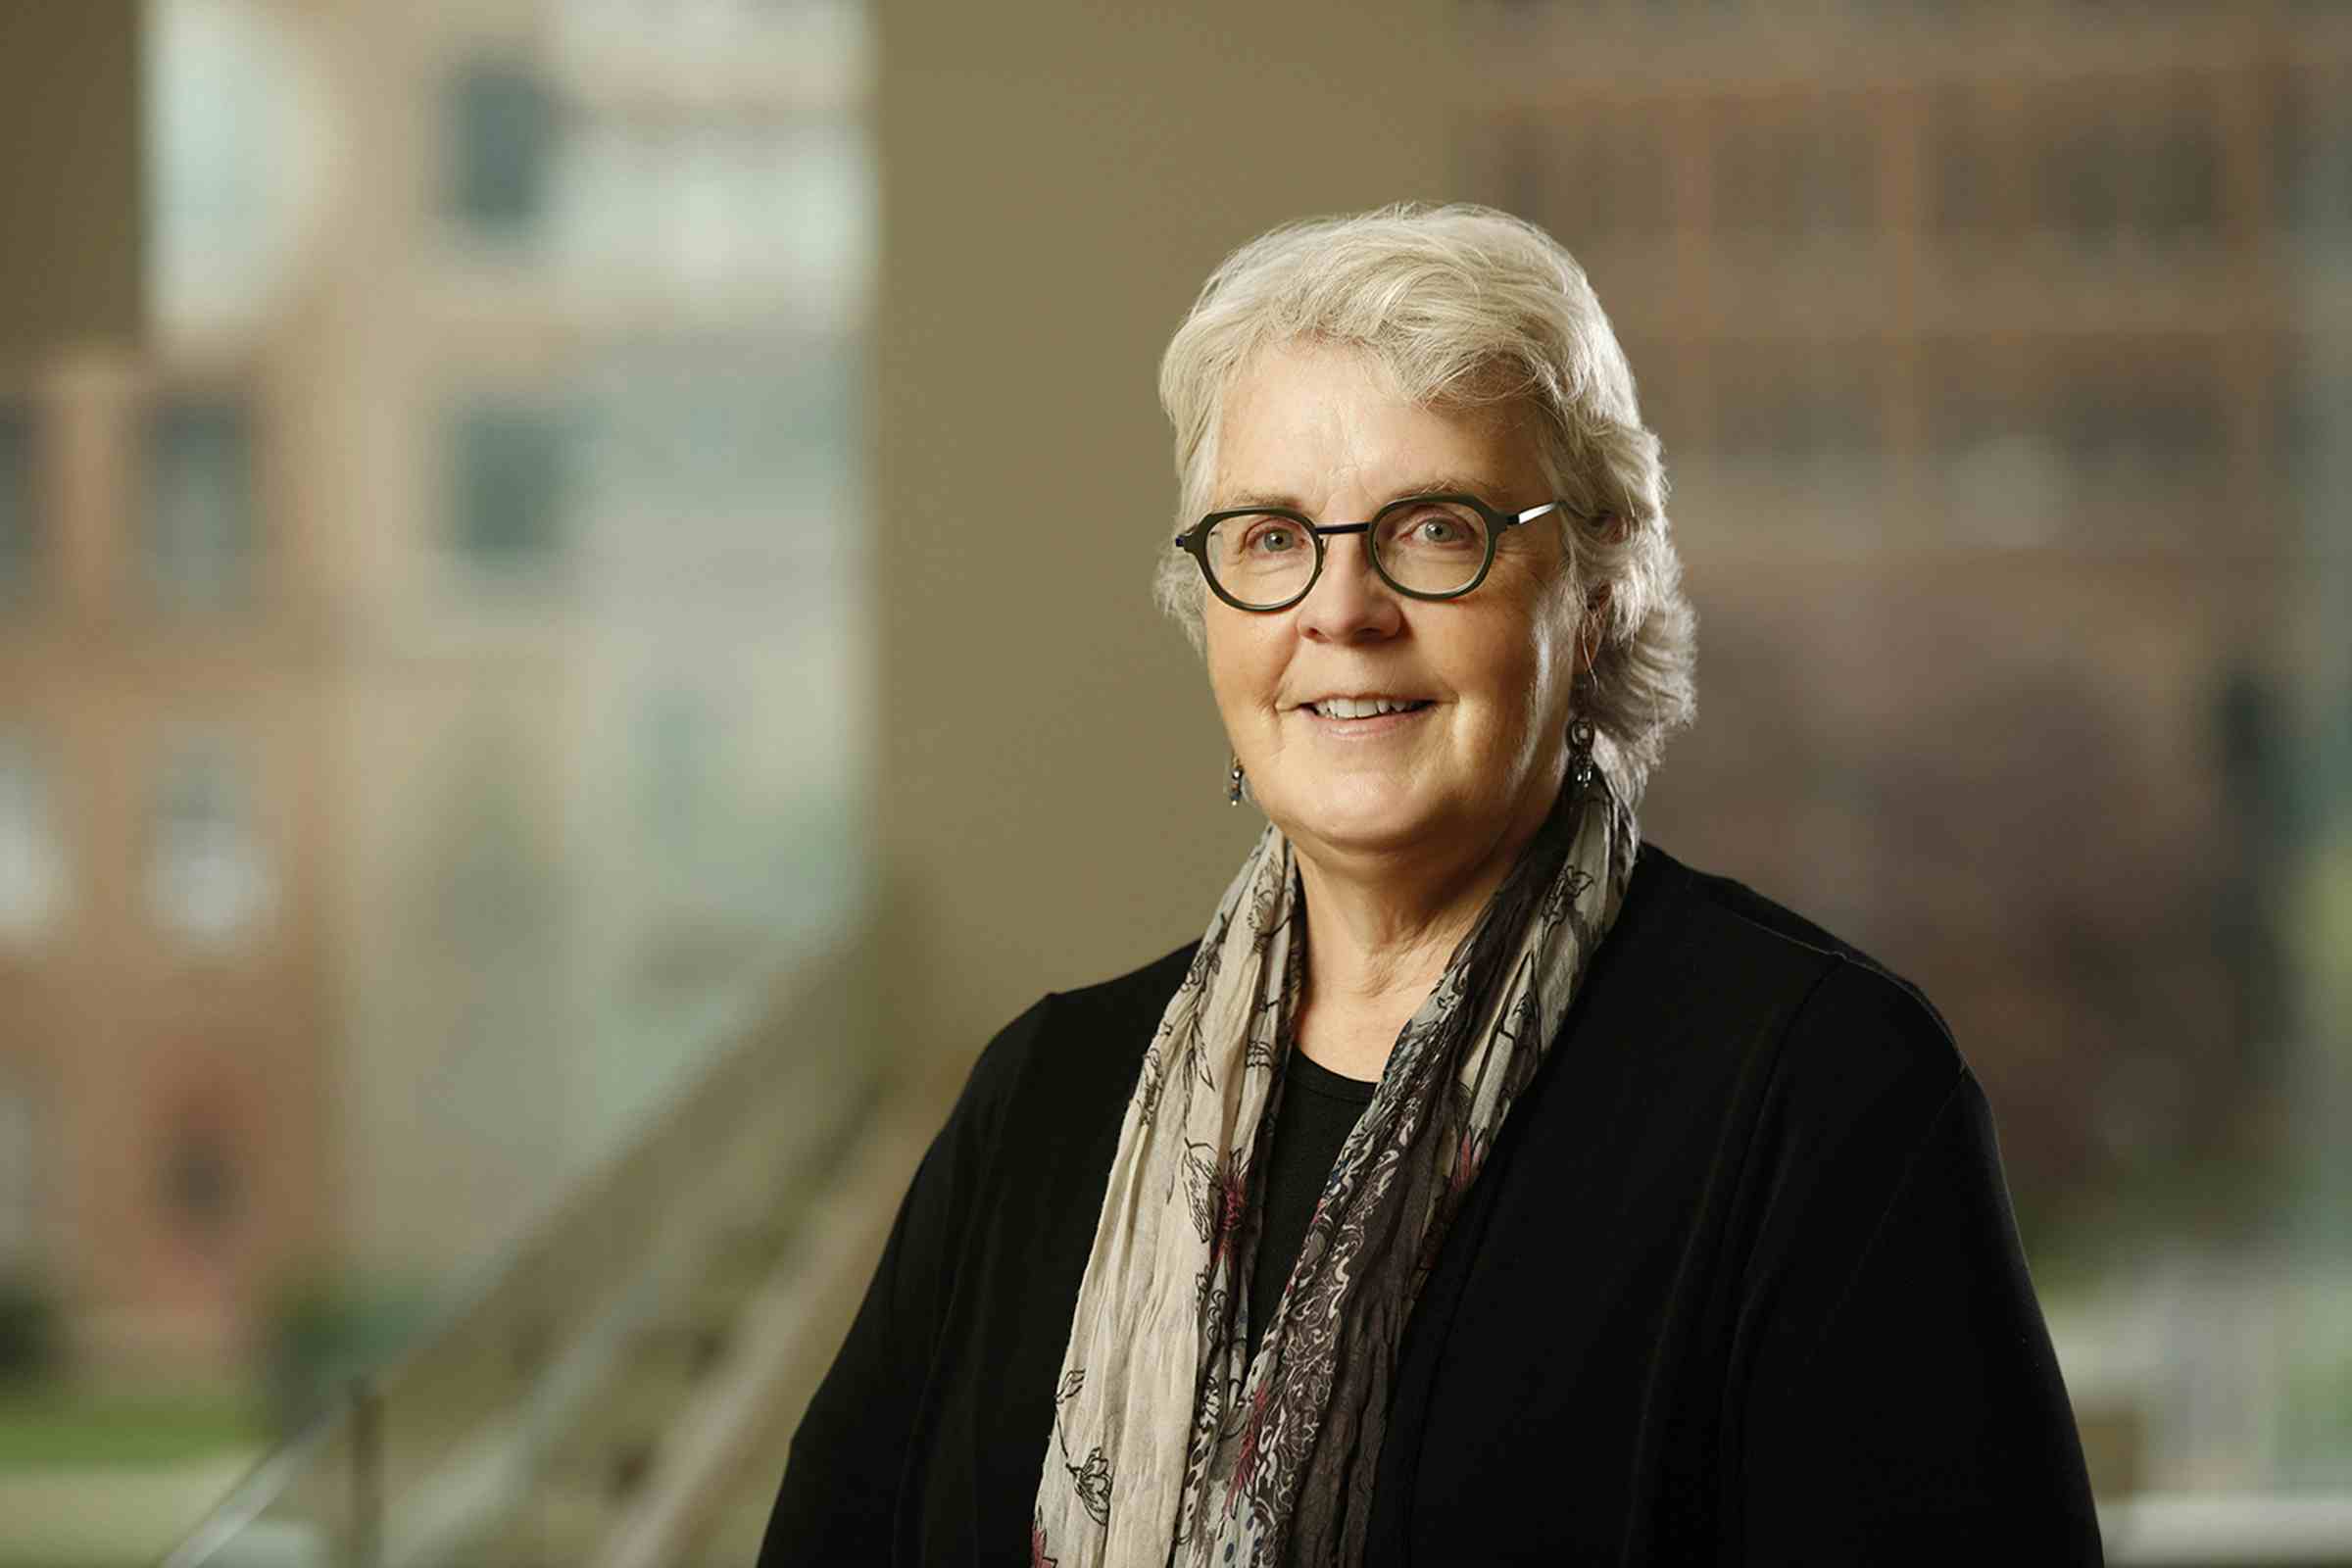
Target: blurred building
<point>161,890</point>
<point>1998,352</point>
<point>430,661</point>
<point>594,349</point>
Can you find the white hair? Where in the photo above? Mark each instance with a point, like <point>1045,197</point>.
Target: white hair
<point>1467,306</point>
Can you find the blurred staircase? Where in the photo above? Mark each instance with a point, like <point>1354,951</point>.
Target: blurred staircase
<point>676,1460</point>
<point>620,1390</point>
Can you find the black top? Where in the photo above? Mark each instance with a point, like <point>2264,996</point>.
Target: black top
<point>1738,1284</point>
<point>1318,1110</point>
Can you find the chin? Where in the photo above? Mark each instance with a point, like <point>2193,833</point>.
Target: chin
<point>1366,821</point>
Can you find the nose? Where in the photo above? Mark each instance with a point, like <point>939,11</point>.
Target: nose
<point>1350,602</point>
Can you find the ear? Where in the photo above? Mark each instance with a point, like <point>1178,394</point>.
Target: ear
<point>1585,649</point>
<point>1612,530</point>
<point>1588,629</point>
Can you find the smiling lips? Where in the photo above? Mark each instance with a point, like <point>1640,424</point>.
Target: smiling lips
<point>1362,707</point>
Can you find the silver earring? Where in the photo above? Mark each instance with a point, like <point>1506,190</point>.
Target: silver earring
<point>1233,792</point>
<point>1580,751</point>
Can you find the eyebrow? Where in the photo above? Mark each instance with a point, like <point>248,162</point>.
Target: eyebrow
<point>1434,485</point>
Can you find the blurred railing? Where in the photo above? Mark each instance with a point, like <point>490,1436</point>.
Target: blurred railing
<point>416,1461</point>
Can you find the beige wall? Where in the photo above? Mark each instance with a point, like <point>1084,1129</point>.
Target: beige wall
<point>69,175</point>
<point>1057,180</point>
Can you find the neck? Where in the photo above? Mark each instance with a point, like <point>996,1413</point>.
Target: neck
<point>1376,947</point>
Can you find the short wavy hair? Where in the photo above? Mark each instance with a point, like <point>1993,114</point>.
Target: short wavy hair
<point>1466,307</point>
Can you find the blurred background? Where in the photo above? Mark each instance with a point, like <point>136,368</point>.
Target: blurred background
<point>534,746</point>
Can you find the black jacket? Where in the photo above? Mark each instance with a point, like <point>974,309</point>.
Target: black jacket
<point>1739,1284</point>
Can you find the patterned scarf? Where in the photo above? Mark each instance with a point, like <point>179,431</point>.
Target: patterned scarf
<point>1170,1444</point>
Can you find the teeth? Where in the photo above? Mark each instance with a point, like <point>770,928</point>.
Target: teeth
<point>1360,706</point>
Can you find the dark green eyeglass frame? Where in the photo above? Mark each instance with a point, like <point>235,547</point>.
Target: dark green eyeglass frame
<point>1193,542</point>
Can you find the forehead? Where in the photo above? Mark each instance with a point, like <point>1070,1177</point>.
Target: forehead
<point>1308,422</point>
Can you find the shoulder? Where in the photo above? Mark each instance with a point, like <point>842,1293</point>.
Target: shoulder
<point>1139,995</point>
<point>1846,1026</point>
<point>1734,910</point>
<point>1073,1049</point>
<point>1829,1077</point>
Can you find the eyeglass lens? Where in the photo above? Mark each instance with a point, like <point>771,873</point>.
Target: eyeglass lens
<point>1428,547</point>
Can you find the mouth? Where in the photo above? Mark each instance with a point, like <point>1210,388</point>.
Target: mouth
<point>1358,709</point>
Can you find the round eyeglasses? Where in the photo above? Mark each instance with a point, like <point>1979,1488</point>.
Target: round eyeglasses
<point>1425,547</point>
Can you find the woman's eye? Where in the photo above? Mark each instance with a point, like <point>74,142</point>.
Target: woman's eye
<point>1436,530</point>
<point>1274,541</point>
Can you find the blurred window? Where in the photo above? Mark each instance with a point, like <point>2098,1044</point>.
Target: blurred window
<point>1963,154</point>
<point>509,486</point>
<point>501,139</point>
<point>1630,174</point>
<point>677,787</point>
<point>2142,430</point>
<point>201,532</point>
<point>1998,472</point>
<point>2112,170</point>
<point>199,1181</point>
<point>1588,180</point>
<point>2081,169</point>
<point>696,32</point>
<point>708,425</point>
<point>2084,443</point>
<point>208,877</point>
<point>1659,389</point>
<point>1790,167</point>
<point>32,855</point>
<point>1972,394</point>
<point>653,203</point>
<point>1793,400</point>
<point>2313,156</point>
<point>1520,172</point>
<point>240,142</point>
<point>2177,164</point>
<point>19,514</point>
<point>2314,411</point>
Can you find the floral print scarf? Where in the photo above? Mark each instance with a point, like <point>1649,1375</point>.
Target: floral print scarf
<point>1170,1444</point>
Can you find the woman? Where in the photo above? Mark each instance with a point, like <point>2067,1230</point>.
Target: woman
<point>1483,1185</point>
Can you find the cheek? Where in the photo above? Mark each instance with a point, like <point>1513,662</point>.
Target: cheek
<point>1241,670</point>
<point>1550,681</point>
<point>1551,653</point>
<point>1531,684</point>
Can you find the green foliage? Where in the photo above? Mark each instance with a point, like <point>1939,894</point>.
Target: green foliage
<point>31,1334</point>
<point>322,1333</point>
<point>62,1426</point>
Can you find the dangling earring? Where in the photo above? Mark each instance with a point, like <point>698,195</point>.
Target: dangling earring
<point>1580,728</point>
<point>1233,794</point>
<point>1580,751</point>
